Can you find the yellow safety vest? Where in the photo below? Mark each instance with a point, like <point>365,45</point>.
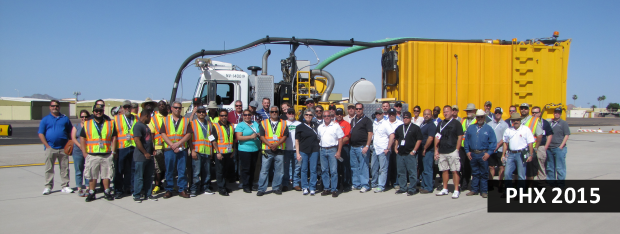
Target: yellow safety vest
<point>224,140</point>
<point>173,134</point>
<point>463,123</point>
<point>156,121</point>
<point>269,134</point>
<point>125,134</point>
<point>200,140</point>
<point>98,140</point>
<point>532,125</point>
<point>215,120</point>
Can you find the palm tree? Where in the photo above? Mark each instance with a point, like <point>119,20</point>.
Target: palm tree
<point>603,99</point>
<point>574,99</point>
<point>593,106</point>
<point>599,99</point>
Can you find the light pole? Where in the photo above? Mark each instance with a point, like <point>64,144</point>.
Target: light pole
<point>77,93</point>
<point>17,92</point>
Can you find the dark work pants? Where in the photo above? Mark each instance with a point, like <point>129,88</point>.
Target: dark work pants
<point>189,170</point>
<point>247,161</point>
<point>465,169</point>
<point>344,169</point>
<point>123,173</point>
<point>392,170</point>
<point>222,167</point>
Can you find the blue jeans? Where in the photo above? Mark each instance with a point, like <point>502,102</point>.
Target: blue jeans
<point>344,168</point>
<point>379,165</point>
<point>143,178</point>
<point>308,162</point>
<point>359,167</point>
<point>263,179</point>
<point>78,163</point>
<point>556,164</point>
<point>175,161</point>
<point>480,173</point>
<point>202,173</point>
<point>329,167</point>
<point>407,164</point>
<point>123,173</point>
<point>427,173</point>
<point>292,168</point>
<point>514,161</point>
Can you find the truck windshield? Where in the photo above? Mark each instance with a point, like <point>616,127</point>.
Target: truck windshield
<point>224,93</point>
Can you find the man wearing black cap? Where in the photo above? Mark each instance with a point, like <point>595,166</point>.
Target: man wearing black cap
<point>344,167</point>
<point>408,140</point>
<point>392,170</point>
<point>535,126</point>
<point>556,154</point>
<point>537,166</point>
<point>257,117</point>
<point>399,109</point>
<point>383,137</point>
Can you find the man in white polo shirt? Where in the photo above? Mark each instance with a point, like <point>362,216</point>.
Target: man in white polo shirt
<point>517,141</point>
<point>383,137</point>
<point>330,140</point>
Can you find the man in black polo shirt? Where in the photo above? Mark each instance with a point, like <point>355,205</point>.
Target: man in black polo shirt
<point>408,139</point>
<point>447,144</point>
<point>426,152</point>
<point>361,135</point>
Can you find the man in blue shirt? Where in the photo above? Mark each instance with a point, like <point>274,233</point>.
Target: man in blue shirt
<point>264,112</point>
<point>55,132</point>
<point>480,142</point>
<point>436,118</point>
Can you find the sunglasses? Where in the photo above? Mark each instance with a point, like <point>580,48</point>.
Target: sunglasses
<point>416,110</point>
<point>359,108</point>
<point>247,114</point>
<point>523,108</point>
<point>535,113</point>
<point>127,106</point>
<point>238,105</point>
<point>273,112</point>
<point>55,106</point>
<point>176,107</point>
<point>201,112</point>
<point>223,115</point>
<point>83,117</point>
<point>512,110</point>
<point>319,111</point>
<point>97,111</point>
<point>308,114</point>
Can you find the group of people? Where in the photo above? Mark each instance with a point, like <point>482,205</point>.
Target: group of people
<point>328,151</point>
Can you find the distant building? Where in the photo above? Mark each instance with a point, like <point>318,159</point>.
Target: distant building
<point>12,108</point>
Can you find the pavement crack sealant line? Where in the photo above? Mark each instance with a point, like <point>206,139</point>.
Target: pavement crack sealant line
<point>146,217</point>
<point>441,219</point>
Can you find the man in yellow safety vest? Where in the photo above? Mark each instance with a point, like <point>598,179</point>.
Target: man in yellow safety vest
<point>201,148</point>
<point>123,176</point>
<point>273,133</point>
<point>224,134</point>
<point>157,119</point>
<point>465,162</point>
<point>176,131</point>
<point>535,125</point>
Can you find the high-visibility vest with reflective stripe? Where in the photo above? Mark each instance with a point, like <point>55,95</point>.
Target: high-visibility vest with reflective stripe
<point>125,135</point>
<point>174,134</point>
<point>200,140</point>
<point>464,124</point>
<point>155,124</point>
<point>215,120</point>
<point>269,134</point>
<point>96,143</point>
<point>224,140</point>
<point>532,125</point>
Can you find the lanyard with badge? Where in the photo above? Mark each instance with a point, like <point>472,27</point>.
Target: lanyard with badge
<point>273,130</point>
<point>129,123</point>
<point>555,123</point>
<point>204,131</point>
<point>405,134</point>
<point>438,135</point>
<point>100,136</point>
<point>355,123</point>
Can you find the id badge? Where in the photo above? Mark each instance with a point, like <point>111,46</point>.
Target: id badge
<point>438,135</point>
<point>402,142</point>
<point>211,138</point>
<point>101,144</point>
<point>275,138</point>
<point>229,148</point>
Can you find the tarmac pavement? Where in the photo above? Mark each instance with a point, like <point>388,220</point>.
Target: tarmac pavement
<point>24,209</point>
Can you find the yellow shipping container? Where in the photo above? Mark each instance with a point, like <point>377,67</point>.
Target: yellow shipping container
<point>506,75</point>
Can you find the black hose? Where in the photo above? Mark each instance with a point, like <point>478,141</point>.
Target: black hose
<point>305,41</point>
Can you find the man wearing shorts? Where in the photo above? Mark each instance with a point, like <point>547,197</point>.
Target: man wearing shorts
<point>97,137</point>
<point>447,144</point>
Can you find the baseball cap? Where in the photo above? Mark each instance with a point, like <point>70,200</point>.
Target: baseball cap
<point>126,103</point>
<point>98,106</point>
<point>201,107</point>
<point>339,111</point>
<point>559,109</point>
<point>309,100</point>
<point>379,111</point>
<point>392,111</point>
<point>398,104</point>
<point>488,103</point>
<point>455,107</point>
<point>331,107</point>
<point>350,106</point>
<point>480,112</point>
<point>501,111</point>
<point>524,105</point>
<point>290,111</point>
<point>407,114</point>
<point>134,105</point>
<point>254,104</point>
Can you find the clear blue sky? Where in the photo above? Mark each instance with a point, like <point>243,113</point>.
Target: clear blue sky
<point>133,49</point>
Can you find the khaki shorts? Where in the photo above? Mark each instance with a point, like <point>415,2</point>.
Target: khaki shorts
<point>159,161</point>
<point>449,161</point>
<point>99,167</point>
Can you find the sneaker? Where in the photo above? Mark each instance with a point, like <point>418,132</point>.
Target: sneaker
<point>305,192</point>
<point>455,194</point>
<point>47,191</point>
<point>312,193</point>
<point>278,192</point>
<point>192,194</point>
<point>364,190</point>
<point>411,193</point>
<point>442,193</point>
<point>137,199</point>
<point>156,189</point>
<point>353,188</point>
<point>260,193</point>
<point>209,192</point>
<point>151,198</point>
<point>90,197</point>
<point>67,190</point>
<point>399,192</point>
<point>108,196</point>
<point>118,195</point>
<point>378,190</point>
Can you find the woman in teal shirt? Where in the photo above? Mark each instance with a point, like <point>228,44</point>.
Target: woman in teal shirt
<point>249,146</point>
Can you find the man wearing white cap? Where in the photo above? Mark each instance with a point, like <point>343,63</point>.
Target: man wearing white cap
<point>480,142</point>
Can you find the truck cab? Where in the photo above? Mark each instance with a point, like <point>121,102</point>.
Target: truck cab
<point>223,83</point>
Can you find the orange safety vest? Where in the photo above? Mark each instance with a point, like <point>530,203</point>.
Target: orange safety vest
<point>532,125</point>
<point>224,139</point>
<point>125,133</point>
<point>269,134</point>
<point>157,120</point>
<point>98,140</point>
<point>200,140</point>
